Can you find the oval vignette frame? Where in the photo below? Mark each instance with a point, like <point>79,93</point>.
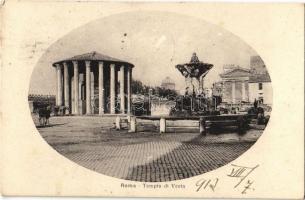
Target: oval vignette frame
<point>151,44</point>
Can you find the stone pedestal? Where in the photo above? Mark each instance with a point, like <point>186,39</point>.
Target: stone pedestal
<point>162,125</point>
<point>133,125</point>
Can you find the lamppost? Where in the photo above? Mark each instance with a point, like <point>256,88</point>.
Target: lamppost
<point>149,99</point>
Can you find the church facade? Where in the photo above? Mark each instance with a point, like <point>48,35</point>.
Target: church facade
<point>235,83</point>
<point>245,85</point>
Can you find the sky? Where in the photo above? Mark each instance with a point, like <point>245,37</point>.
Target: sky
<point>153,41</point>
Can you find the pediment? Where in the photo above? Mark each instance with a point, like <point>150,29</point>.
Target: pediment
<point>236,73</point>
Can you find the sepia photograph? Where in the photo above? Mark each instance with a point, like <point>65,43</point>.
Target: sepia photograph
<point>131,98</point>
<point>152,100</point>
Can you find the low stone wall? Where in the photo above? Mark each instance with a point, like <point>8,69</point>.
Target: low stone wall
<point>161,107</point>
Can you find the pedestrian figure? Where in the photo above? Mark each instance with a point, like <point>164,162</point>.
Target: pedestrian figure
<point>47,115</point>
<point>255,103</point>
<point>42,116</point>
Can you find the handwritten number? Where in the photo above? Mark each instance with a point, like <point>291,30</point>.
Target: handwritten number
<point>207,184</point>
<point>202,183</point>
<point>237,171</point>
<point>249,183</point>
<point>214,186</point>
<point>241,172</point>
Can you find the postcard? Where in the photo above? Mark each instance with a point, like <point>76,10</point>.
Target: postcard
<point>152,99</point>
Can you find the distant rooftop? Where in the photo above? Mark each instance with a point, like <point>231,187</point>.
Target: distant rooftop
<point>259,72</point>
<point>168,80</point>
<point>256,78</point>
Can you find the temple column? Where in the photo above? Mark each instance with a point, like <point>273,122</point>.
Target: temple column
<point>88,88</point>
<point>59,85</point>
<point>112,88</point>
<point>76,87</point>
<point>243,91</point>
<point>101,88</point>
<point>72,96</point>
<point>129,76</point>
<point>233,92</point>
<point>247,91</point>
<point>81,92</point>
<point>122,85</point>
<point>92,92</point>
<point>66,83</point>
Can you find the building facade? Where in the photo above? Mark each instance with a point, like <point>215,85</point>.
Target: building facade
<point>235,85</point>
<point>259,83</point>
<point>94,83</point>
<point>217,89</point>
<point>242,85</point>
<point>260,89</point>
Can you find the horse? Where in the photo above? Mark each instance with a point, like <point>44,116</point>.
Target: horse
<point>44,115</point>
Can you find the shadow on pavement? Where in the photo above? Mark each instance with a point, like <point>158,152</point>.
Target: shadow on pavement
<point>49,125</point>
<point>191,158</point>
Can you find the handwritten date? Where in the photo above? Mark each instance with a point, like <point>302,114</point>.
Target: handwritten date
<point>207,183</point>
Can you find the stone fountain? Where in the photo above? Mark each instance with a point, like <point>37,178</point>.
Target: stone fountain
<point>194,101</point>
<point>194,73</point>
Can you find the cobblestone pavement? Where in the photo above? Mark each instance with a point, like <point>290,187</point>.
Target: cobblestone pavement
<point>143,156</point>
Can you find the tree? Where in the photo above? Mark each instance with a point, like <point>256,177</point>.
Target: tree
<point>137,87</point>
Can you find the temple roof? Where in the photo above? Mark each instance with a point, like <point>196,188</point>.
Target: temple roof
<point>94,56</point>
<point>243,72</point>
<point>236,72</point>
